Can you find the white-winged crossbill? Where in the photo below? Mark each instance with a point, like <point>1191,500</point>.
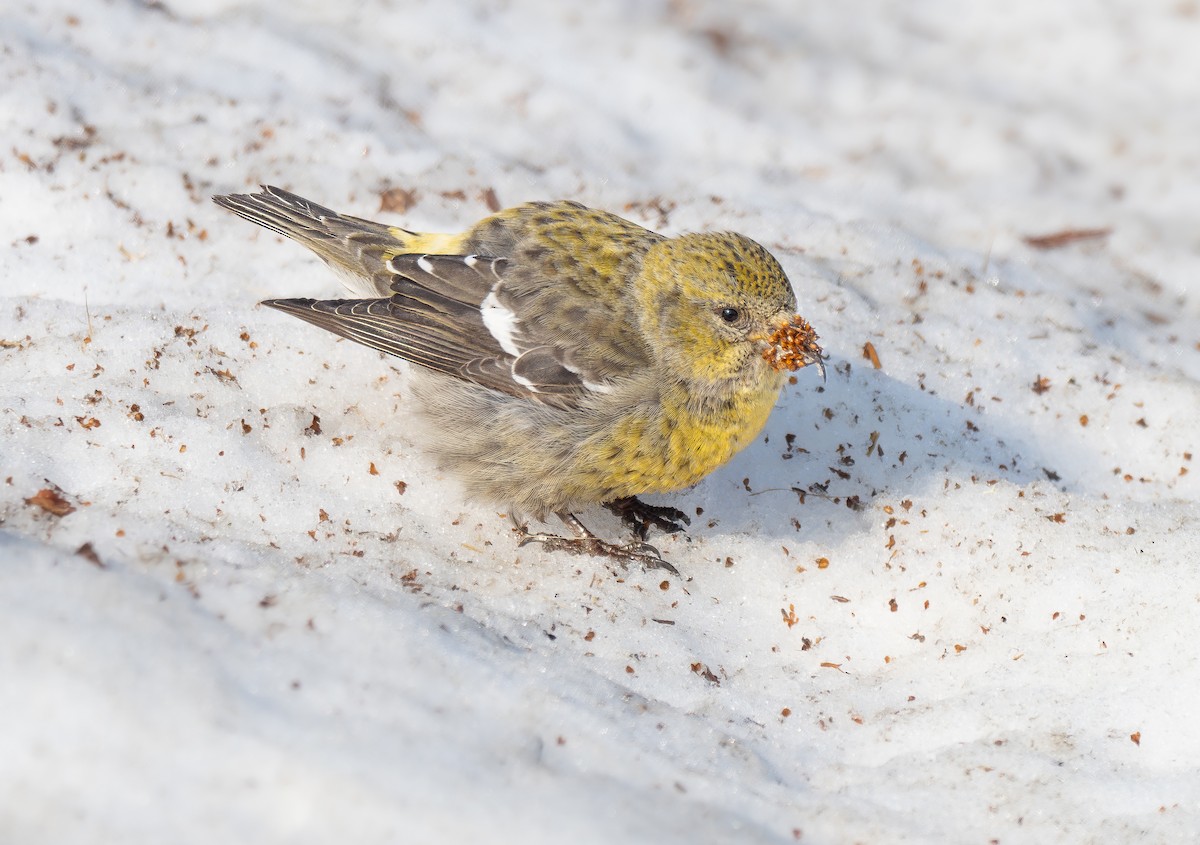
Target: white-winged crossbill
<point>568,357</point>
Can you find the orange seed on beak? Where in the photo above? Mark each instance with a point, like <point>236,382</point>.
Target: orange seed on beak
<point>794,345</point>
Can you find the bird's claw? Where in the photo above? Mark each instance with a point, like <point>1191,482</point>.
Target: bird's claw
<point>639,516</point>
<point>642,554</point>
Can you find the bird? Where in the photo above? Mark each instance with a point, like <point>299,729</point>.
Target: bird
<point>566,358</point>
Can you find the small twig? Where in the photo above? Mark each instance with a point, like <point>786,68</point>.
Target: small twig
<point>1065,237</point>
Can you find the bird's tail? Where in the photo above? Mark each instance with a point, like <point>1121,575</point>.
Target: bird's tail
<point>358,250</point>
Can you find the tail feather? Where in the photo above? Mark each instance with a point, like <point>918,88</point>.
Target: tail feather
<point>357,249</point>
<point>282,212</point>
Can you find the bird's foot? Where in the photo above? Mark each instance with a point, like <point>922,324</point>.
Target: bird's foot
<point>586,543</point>
<point>639,516</point>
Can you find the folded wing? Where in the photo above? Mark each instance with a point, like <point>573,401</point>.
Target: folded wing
<point>453,314</point>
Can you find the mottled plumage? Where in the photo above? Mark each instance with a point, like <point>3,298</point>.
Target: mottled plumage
<point>571,358</point>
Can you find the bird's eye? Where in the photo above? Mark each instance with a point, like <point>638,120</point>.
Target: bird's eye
<point>730,315</point>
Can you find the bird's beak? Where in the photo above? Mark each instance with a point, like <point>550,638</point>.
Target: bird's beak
<point>819,361</point>
<point>793,345</point>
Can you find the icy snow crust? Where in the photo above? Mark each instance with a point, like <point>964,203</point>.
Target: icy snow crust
<point>951,599</point>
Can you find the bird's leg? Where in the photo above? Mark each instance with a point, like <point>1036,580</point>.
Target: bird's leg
<point>639,516</point>
<point>587,543</point>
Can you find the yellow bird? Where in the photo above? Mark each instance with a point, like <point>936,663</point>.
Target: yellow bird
<point>568,357</point>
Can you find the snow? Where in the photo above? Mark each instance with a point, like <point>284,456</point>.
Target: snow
<point>953,608</point>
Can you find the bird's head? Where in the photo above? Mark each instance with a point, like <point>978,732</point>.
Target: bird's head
<point>722,311</point>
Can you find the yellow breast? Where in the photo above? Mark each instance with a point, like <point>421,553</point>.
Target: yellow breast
<point>698,443</point>
<point>678,444</point>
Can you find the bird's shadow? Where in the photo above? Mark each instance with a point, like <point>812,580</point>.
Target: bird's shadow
<point>830,456</point>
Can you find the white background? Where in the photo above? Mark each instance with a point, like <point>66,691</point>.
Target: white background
<point>291,636</point>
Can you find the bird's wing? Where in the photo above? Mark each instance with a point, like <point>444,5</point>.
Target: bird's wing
<point>454,314</point>
<point>543,319</point>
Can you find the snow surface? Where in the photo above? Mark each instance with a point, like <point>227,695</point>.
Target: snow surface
<point>952,608</point>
